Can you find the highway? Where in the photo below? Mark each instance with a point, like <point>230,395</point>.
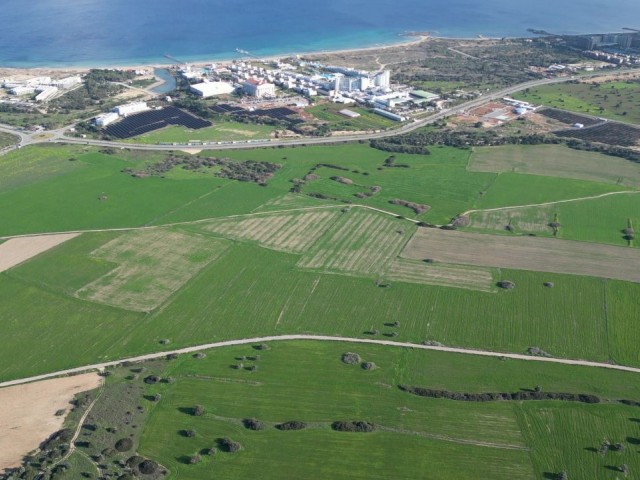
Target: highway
<point>58,136</point>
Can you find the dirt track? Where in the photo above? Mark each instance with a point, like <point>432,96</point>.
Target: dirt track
<point>18,250</point>
<point>27,416</point>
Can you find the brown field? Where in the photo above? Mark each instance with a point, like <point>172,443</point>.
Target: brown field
<point>457,276</point>
<point>151,265</point>
<point>17,250</point>
<point>27,416</point>
<point>525,253</point>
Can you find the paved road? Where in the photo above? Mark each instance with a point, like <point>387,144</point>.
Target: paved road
<point>322,338</point>
<point>58,136</point>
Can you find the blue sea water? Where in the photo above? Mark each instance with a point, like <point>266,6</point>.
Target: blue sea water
<point>92,32</point>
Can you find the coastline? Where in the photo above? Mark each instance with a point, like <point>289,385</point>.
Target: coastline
<point>411,40</point>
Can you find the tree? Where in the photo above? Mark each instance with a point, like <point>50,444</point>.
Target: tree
<point>197,411</point>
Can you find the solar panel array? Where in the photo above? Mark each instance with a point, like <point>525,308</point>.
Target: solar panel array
<point>151,120</point>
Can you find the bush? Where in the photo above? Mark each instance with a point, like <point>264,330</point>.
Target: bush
<point>189,433</point>
<point>350,358</point>
<point>262,346</point>
<point>124,445</point>
<point>133,462</point>
<point>292,425</point>
<point>148,467</point>
<point>506,284</point>
<point>537,352</point>
<point>368,366</point>
<point>199,355</point>
<point>549,284</point>
<point>363,427</point>
<point>197,411</point>
<point>228,445</point>
<point>195,459</point>
<point>151,379</point>
<point>253,424</point>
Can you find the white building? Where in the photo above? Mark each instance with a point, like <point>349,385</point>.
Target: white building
<point>258,88</point>
<point>67,82</point>
<point>22,90</point>
<point>391,115</point>
<point>46,93</point>
<point>35,81</point>
<point>382,79</point>
<point>210,89</point>
<point>106,118</point>
<point>131,108</point>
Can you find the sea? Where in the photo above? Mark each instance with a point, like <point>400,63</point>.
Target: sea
<point>67,33</point>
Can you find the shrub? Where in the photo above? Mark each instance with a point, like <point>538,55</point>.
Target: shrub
<point>189,433</point>
<point>199,355</point>
<point>197,411</point>
<point>109,452</point>
<point>253,424</point>
<point>124,444</point>
<point>537,352</point>
<point>363,427</point>
<point>172,356</point>
<point>133,462</point>
<point>165,341</point>
<point>195,459</point>
<point>368,366</point>
<point>228,445</point>
<point>262,346</point>
<point>350,358</point>
<point>292,425</point>
<point>549,284</point>
<point>148,467</point>
<point>506,284</point>
<point>151,379</point>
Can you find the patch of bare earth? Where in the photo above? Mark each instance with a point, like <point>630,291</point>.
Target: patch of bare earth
<point>28,413</point>
<point>526,253</point>
<point>18,250</point>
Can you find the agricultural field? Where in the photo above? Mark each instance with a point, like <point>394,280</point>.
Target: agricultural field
<point>362,242</point>
<point>600,220</point>
<point>556,161</point>
<point>526,253</point>
<point>17,250</point>
<point>224,131</point>
<point>448,275</point>
<point>151,266</point>
<point>290,232</point>
<point>201,399</point>
<point>330,113</point>
<point>615,100</point>
<point>611,133</point>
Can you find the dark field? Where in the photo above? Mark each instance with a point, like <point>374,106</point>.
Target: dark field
<point>610,133</point>
<point>153,120</point>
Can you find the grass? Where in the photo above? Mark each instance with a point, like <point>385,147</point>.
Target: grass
<point>306,381</point>
<point>330,113</point>
<point>613,99</point>
<point>555,161</point>
<point>7,139</point>
<point>512,189</point>
<point>598,220</point>
<point>225,131</point>
<point>151,266</point>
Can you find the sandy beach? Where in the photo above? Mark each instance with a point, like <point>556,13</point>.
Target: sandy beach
<point>23,73</point>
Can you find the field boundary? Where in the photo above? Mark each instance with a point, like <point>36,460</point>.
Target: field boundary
<point>321,338</point>
<point>546,204</point>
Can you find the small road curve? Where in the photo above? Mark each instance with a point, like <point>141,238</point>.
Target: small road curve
<point>317,338</point>
<point>569,200</point>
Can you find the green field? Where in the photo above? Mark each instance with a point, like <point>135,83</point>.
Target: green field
<point>615,100</point>
<point>330,113</point>
<point>414,437</point>
<point>556,161</point>
<point>224,131</point>
<point>600,220</point>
